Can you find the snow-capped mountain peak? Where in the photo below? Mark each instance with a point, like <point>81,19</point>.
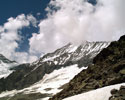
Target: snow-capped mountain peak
<point>74,53</point>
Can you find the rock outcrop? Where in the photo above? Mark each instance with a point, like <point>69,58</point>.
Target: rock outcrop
<point>118,94</point>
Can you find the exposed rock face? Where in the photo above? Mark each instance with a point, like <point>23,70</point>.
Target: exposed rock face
<point>28,74</point>
<point>108,69</point>
<point>118,94</point>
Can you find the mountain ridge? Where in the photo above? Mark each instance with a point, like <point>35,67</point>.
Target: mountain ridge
<point>27,74</point>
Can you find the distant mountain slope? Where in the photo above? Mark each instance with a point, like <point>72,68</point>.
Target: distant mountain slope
<point>28,74</point>
<point>108,69</point>
<point>5,66</point>
<point>48,86</point>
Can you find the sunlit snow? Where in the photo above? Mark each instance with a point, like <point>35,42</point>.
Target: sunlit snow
<point>51,82</point>
<point>99,94</point>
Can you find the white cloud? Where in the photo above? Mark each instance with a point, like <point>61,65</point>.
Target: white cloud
<point>24,57</point>
<point>67,21</point>
<point>16,23</point>
<point>9,35</point>
<point>32,19</point>
<point>77,20</point>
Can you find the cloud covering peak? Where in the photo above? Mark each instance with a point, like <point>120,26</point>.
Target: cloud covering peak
<point>76,21</point>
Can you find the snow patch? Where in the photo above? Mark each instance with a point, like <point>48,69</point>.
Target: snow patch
<point>50,83</point>
<point>50,58</point>
<point>99,94</point>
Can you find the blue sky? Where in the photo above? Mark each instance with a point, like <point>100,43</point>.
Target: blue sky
<point>13,8</point>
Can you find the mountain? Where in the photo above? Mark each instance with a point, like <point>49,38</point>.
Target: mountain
<point>93,2</point>
<point>61,61</point>
<point>5,66</point>
<point>70,54</point>
<point>108,68</point>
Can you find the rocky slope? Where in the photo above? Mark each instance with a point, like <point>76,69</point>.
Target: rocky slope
<point>28,74</point>
<point>108,68</point>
